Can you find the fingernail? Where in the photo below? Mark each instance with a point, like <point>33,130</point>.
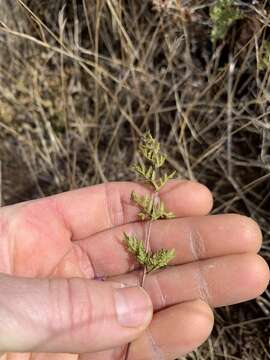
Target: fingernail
<point>133,306</point>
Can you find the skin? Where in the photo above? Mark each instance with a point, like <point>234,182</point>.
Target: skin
<point>53,250</point>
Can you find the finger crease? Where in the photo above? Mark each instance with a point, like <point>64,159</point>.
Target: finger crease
<point>162,296</point>
<point>197,246</point>
<point>115,207</point>
<point>156,349</point>
<point>71,305</point>
<point>203,288</point>
<point>108,205</point>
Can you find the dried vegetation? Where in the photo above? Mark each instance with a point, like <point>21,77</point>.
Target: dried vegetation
<point>80,79</point>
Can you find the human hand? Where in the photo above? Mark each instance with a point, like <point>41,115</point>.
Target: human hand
<point>52,249</point>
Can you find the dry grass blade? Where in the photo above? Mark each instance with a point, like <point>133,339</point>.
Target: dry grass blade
<point>79,83</point>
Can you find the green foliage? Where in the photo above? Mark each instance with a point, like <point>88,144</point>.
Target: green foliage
<point>223,14</point>
<point>160,259</point>
<point>149,148</point>
<point>149,174</point>
<point>151,261</point>
<point>136,247</point>
<point>150,209</point>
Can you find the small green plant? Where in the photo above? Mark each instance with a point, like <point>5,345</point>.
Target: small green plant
<point>150,207</point>
<point>153,261</point>
<point>223,14</point>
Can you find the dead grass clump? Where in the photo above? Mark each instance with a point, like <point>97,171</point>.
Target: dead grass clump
<point>80,79</point>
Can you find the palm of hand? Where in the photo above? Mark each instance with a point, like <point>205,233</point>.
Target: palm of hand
<point>42,247</point>
<point>68,236</point>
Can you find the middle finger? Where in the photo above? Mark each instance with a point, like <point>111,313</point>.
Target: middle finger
<point>220,281</point>
<point>192,238</point>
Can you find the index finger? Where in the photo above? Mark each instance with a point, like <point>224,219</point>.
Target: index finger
<point>87,211</point>
<point>94,209</point>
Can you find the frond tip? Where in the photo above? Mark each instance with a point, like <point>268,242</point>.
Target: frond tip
<point>149,148</point>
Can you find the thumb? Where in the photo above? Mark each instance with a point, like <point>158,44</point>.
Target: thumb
<point>69,315</point>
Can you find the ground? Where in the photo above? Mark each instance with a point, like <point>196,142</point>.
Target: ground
<point>80,80</point>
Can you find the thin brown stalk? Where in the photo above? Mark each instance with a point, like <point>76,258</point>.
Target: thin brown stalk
<point>147,246</point>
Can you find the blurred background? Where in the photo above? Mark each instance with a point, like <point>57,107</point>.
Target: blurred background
<point>80,80</point>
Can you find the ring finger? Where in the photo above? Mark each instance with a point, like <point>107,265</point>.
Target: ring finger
<point>165,338</point>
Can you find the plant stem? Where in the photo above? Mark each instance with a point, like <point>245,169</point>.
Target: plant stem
<point>127,352</point>
<point>147,246</point>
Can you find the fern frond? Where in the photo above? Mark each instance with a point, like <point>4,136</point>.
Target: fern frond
<point>163,180</point>
<point>159,259</point>
<point>136,247</point>
<point>150,150</point>
<point>151,209</point>
<point>149,175</point>
<point>146,173</point>
<point>151,261</point>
